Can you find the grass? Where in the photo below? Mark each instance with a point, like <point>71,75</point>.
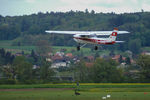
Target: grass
<point>27,49</point>
<point>82,85</point>
<point>68,94</point>
<point>146,49</point>
<point>7,44</point>
<point>65,91</point>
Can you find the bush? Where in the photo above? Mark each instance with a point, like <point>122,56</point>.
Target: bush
<point>8,81</point>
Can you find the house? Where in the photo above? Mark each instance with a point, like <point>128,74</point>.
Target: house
<point>89,58</point>
<point>35,67</point>
<point>117,57</point>
<point>56,57</point>
<point>18,54</point>
<point>48,59</point>
<point>89,64</point>
<point>69,55</point>
<point>145,53</point>
<point>59,64</point>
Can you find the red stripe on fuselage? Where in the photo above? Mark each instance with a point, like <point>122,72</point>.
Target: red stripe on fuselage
<point>95,41</point>
<point>86,39</point>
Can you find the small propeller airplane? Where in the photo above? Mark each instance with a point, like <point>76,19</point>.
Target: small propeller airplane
<point>90,37</point>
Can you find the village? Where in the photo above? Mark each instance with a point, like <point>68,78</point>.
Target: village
<point>61,62</point>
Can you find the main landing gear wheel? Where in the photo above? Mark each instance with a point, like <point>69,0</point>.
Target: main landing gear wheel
<point>96,48</point>
<point>78,48</point>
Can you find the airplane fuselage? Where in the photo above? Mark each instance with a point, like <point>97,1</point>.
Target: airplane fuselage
<point>92,40</point>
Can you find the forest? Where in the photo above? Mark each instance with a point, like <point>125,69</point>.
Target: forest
<point>27,28</point>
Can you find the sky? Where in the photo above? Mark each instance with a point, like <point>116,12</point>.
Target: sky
<point>27,7</point>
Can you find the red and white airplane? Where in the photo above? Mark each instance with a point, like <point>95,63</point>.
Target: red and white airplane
<point>90,37</point>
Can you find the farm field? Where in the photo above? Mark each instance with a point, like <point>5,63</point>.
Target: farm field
<point>7,44</point>
<point>65,91</point>
<point>68,94</point>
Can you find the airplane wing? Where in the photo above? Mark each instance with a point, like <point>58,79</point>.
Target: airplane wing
<point>86,32</point>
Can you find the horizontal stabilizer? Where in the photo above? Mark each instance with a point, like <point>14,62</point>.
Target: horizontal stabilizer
<point>119,41</point>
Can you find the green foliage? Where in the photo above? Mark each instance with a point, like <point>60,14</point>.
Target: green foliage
<point>23,69</point>
<point>5,57</point>
<point>101,71</point>
<point>81,72</point>
<point>135,45</point>
<point>35,24</point>
<point>43,48</point>
<point>8,81</point>
<point>8,32</point>
<point>144,62</point>
<point>127,61</point>
<point>105,71</point>
<point>46,72</point>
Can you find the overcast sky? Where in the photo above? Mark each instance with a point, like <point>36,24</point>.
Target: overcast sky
<point>26,7</point>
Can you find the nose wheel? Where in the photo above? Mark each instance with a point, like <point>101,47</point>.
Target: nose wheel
<point>96,48</point>
<point>78,48</point>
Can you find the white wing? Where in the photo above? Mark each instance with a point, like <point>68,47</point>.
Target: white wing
<point>86,32</point>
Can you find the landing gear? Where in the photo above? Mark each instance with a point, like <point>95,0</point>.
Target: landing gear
<point>78,48</point>
<point>96,48</point>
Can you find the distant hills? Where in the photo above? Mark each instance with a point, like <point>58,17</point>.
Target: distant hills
<point>28,25</point>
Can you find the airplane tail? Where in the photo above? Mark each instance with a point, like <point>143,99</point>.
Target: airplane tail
<point>113,36</point>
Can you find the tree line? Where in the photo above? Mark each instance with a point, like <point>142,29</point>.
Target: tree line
<point>35,24</point>
<point>109,71</point>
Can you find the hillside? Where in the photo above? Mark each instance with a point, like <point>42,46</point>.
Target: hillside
<point>28,29</point>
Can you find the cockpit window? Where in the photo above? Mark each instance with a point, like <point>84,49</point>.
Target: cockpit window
<point>92,35</point>
<point>85,36</point>
<point>88,36</point>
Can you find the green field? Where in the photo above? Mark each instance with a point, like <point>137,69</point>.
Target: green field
<point>68,94</point>
<point>7,45</point>
<point>65,91</point>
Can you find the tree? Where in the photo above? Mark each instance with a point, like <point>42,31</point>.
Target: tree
<point>111,53</point>
<point>120,59</point>
<point>128,62</point>
<point>34,56</point>
<point>6,57</point>
<point>134,46</point>
<point>22,69</point>
<point>106,71</point>
<point>92,12</point>
<point>46,72</point>
<point>43,47</point>
<point>81,72</point>
<point>144,62</point>
<point>86,11</point>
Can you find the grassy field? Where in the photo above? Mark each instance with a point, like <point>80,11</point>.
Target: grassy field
<point>82,86</point>
<point>68,94</point>
<point>27,49</point>
<point>65,91</point>
<point>86,51</point>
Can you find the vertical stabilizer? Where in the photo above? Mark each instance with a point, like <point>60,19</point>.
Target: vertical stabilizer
<point>113,36</point>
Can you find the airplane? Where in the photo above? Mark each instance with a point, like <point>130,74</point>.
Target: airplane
<point>90,37</point>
